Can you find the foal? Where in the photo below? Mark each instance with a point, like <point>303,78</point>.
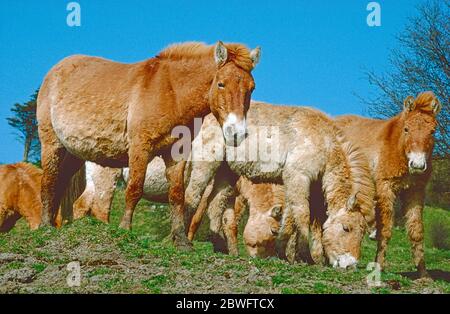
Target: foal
<point>118,114</point>
<point>399,151</point>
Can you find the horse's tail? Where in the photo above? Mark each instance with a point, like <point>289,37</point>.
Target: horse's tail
<point>73,192</point>
<point>353,174</point>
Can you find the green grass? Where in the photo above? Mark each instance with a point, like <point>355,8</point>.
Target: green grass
<point>144,261</point>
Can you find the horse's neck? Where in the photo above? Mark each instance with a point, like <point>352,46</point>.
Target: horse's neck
<point>393,159</point>
<point>191,82</point>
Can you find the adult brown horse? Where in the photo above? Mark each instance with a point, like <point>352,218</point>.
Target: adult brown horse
<point>118,114</point>
<point>399,152</point>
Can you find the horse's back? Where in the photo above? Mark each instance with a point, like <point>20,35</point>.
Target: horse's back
<point>361,130</point>
<point>368,135</point>
<point>295,132</point>
<point>85,100</point>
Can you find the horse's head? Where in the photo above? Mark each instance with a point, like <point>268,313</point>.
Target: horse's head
<point>419,125</point>
<point>343,232</point>
<point>261,232</point>
<point>231,89</point>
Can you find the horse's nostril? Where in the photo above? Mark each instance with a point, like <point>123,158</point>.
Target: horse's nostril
<point>228,130</point>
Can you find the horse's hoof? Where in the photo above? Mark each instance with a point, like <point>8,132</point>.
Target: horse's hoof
<point>184,246</point>
<point>125,226</point>
<point>423,274</point>
<point>46,224</point>
<point>181,242</point>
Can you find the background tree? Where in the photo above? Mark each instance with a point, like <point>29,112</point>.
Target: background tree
<point>25,124</point>
<point>420,62</point>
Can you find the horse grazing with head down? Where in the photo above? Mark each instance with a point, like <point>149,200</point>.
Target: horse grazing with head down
<point>306,147</point>
<point>399,152</point>
<point>20,196</point>
<point>118,114</point>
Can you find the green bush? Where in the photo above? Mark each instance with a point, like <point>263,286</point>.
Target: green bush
<point>440,234</point>
<point>438,189</point>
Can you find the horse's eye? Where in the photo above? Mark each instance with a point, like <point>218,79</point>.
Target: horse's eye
<point>346,228</point>
<point>221,85</point>
<point>406,130</point>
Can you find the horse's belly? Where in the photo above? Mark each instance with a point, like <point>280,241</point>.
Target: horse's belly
<point>91,135</point>
<point>258,171</point>
<point>259,157</point>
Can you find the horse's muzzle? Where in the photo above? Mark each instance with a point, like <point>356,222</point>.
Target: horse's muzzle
<point>417,163</point>
<point>234,130</point>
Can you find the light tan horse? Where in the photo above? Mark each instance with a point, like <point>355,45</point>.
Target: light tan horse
<point>101,182</point>
<point>310,149</point>
<point>399,151</point>
<point>118,114</point>
<point>265,203</point>
<point>20,196</point>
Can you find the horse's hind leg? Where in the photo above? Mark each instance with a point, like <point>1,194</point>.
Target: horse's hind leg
<point>175,177</point>
<point>200,212</point>
<point>139,156</point>
<point>52,158</point>
<point>58,168</point>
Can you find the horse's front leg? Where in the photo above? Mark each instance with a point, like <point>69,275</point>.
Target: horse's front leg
<point>412,206</point>
<point>175,178</point>
<point>139,157</point>
<point>317,252</point>
<point>385,220</point>
<point>296,216</point>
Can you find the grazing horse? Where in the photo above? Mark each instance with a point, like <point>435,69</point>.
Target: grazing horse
<point>20,196</point>
<point>265,203</point>
<point>117,114</point>
<point>309,148</point>
<point>399,152</point>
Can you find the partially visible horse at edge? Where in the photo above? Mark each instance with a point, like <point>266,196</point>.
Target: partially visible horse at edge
<point>399,152</point>
<point>116,115</point>
<point>20,196</point>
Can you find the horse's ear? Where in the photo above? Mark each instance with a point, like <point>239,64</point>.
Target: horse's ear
<point>436,106</point>
<point>276,212</point>
<point>351,202</point>
<point>255,55</point>
<point>408,103</point>
<point>220,53</point>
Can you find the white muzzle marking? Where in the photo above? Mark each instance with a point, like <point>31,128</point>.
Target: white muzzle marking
<point>417,162</point>
<point>373,235</point>
<point>345,261</point>
<point>234,130</point>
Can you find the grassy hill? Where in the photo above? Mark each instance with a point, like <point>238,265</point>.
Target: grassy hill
<point>144,261</point>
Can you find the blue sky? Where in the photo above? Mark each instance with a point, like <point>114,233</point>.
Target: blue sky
<point>313,52</point>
